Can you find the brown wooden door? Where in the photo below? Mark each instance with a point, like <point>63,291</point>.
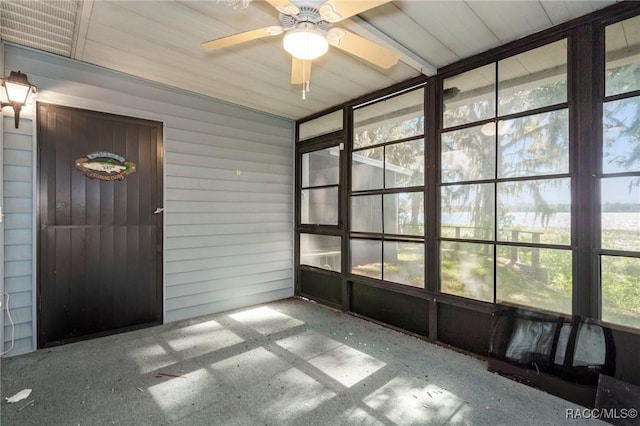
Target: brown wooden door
<point>99,242</point>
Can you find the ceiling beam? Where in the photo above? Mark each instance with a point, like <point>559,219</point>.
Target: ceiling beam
<point>407,56</point>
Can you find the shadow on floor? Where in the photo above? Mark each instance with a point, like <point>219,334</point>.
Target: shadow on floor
<point>290,362</point>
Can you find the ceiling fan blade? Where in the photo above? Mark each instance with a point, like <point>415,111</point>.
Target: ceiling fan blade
<point>362,48</point>
<point>223,42</point>
<point>284,6</point>
<point>300,71</point>
<point>337,10</point>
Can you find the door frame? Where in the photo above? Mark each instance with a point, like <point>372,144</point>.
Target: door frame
<point>89,105</point>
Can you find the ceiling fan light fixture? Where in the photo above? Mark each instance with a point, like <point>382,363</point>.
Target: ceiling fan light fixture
<point>305,43</point>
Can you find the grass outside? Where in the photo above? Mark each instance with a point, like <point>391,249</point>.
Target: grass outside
<point>467,270</point>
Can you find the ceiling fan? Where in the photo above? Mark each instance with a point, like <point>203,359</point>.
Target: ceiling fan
<point>308,32</point>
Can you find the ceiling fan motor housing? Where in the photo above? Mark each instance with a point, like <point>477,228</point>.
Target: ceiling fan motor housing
<point>308,18</point>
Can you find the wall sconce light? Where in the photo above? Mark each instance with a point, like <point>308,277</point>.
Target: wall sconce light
<point>16,90</point>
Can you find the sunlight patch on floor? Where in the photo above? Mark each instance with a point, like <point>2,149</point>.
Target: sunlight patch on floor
<point>175,396</point>
<point>248,368</point>
<point>308,344</point>
<point>338,361</point>
<point>265,320</point>
<point>182,344</point>
<point>407,401</point>
<point>198,339</point>
<point>300,394</point>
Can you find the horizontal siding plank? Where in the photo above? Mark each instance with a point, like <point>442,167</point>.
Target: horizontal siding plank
<point>20,346</point>
<point>206,286</point>
<point>233,186</point>
<point>239,140</point>
<point>19,315</point>
<point>17,221</point>
<point>23,129</point>
<point>228,250</point>
<point>18,284</point>
<point>226,218</point>
<point>178,170</point>
<point>18,300</point>
<point>226,305</point>
<point>21,331</point>
<point>221,163</point>
<point>230,153</point>
<point>200,207</point>
<point>174,194</point>
<point>226,240</point>
<point>17,236</point>
<point>18,252</point>
<point>225,294</point>
<point>245,228</point>
<point>17,190</point>
<point>18,205</point>
<point>17,268</point>
<point>236,271</point>
<point>225,261</point>
<point>14,157</point>
<point>18,173</point>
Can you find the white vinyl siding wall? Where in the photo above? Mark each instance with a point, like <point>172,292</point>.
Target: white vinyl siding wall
<point>17,185</point>
<point>228,239</point>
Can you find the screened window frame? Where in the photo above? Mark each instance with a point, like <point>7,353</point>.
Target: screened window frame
<point>585,99</point>
<point>568,105</point>
<point>599,175</point>
<point>383,236</point>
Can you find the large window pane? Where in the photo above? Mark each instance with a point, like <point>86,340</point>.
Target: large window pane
<point>466,269</point>
<point>467,211</point>
<point>535,211</point>
<point>621,290</point>
<point>533,79</point>
<point>470,96</point>
<point>366,213</point>
<point>320,126</point>
<point>404,164</point>
<point>404,263</point>
<point>366,258</point>
<point>535,277</point>
<point>623,57</point>
<point>392,119</point>
<point>321,167</point>
<point>534,145</point>
<point>621,135</point>
<point>404,213</point>
<point>469,154</point>
<point>621,213</point>
<point>367,169</point>
<point>321,251</point>
<point>319,206</point>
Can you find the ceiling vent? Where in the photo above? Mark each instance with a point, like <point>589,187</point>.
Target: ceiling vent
<point>47,26</point>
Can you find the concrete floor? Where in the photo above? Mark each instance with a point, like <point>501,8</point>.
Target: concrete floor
<point>290,362</point>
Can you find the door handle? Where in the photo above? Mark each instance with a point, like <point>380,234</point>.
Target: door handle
<point>158,210</point>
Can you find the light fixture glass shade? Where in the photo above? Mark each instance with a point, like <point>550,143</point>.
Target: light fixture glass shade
<point>305,44</point>
<point>17,88</point>
<point>16,92</point>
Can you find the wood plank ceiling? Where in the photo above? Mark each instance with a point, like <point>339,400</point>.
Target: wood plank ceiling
<point>160,41</point>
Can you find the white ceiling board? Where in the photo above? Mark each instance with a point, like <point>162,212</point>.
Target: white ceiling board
<point>562,11</point>
<point>514,20</point>
<point>392,21</point>
<point>462,31</point>
<point>160,40</point>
